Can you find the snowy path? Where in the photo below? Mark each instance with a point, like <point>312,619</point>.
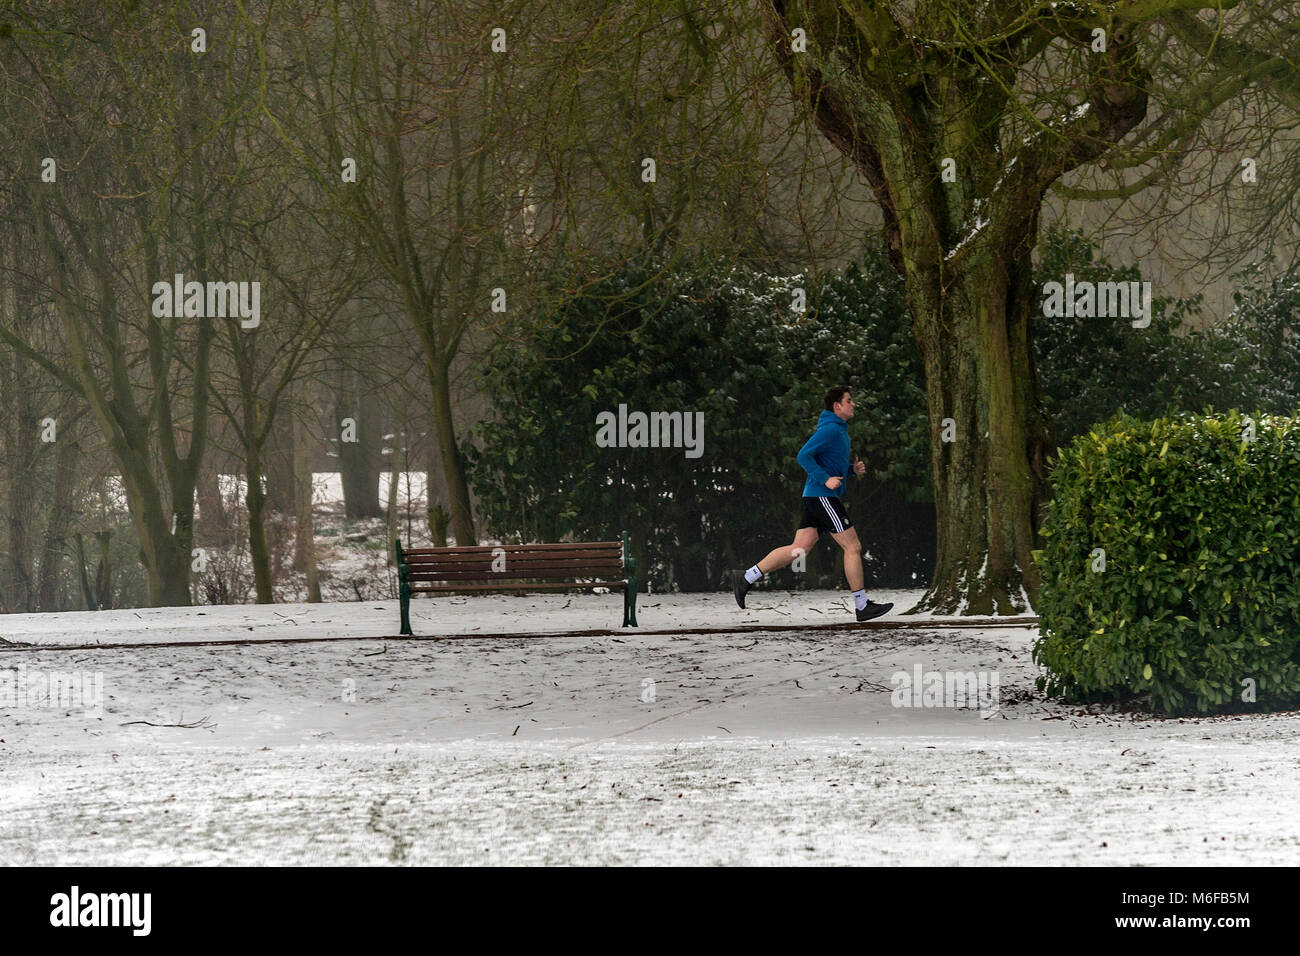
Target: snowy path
<point>873,801</point>
<point>784,747</point>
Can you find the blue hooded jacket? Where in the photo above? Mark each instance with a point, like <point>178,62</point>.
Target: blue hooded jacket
<point>824,455</point>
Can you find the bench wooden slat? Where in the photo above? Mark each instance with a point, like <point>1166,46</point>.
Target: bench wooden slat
<point>516,560</point>
<point>511,560</point>
<point>508,548</point>
<point>566,586</point>
<point>522,574</point>
<point>512,576</point>
<point>518,564</point>
<point>539,571</point>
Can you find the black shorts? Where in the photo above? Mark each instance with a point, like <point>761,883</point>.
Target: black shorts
<point>826,515</point>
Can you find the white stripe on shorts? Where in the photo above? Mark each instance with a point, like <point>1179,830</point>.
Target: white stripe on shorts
<point>835,518</point>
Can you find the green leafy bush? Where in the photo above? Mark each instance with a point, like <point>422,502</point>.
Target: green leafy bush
<point>1093,367</point>
<point>1264,331</point>
<point>1201,537</point>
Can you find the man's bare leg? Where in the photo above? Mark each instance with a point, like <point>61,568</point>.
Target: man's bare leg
<point>848,540</point>
<point>778,558</point>
<point>742,581</point>
<point>866,608</point>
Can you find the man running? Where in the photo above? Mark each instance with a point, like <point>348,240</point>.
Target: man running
<point>825,457</point>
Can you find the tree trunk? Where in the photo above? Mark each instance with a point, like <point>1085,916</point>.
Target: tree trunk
<point>394,482</point>
<point>981,389</point>
<point>60,519</point>
<point>169,577</point>
<point>255,499</point>
<point>86,593</point>
<point>453,465</point>
<point>435,491</point>
<point>212,511</point>
<point>21,447</point>
<point>164,553</point>
<point>104,572</point>
<point>277,458</point>
<point>304,543</point>
<point>359,460</point>
<point>174,574</point>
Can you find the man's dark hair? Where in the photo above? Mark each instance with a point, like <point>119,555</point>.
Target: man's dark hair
<point>834,395</point>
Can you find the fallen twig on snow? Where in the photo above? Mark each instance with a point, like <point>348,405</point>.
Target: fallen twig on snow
<point>201,722</point>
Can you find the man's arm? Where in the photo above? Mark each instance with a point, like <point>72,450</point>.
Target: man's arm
<point>808,458</point>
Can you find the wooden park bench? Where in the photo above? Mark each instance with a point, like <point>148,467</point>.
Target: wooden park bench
<point>517,567</point>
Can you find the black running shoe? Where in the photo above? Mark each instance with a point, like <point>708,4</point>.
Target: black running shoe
<point>873,610</point>
<point>739,586</point>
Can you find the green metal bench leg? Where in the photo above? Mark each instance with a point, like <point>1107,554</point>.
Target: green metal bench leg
<point>629,589</point>
<point>629,603</point>
<point>406,607</point>
<point>404,590</point>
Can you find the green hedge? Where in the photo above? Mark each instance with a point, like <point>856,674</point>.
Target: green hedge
<point>1199,593</point>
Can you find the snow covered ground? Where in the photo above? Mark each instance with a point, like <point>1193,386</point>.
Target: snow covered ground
<point>748,746</point>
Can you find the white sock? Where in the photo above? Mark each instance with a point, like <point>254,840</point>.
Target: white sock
<point>753,574</point>
<point>860,599</point>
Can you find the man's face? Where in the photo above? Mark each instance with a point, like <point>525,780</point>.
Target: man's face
<point>844,407</point>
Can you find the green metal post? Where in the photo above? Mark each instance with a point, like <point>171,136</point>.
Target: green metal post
<point>629,592</point>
